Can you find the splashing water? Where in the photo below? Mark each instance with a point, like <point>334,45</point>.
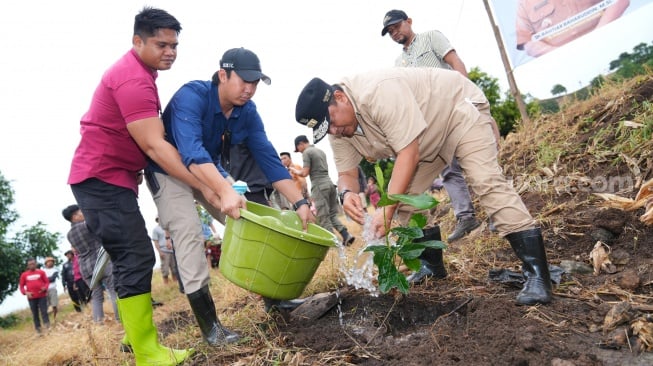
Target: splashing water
<point>362,273</point>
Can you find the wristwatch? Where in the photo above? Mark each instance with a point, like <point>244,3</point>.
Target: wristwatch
<point>298,204</point>
<point>342,196</point>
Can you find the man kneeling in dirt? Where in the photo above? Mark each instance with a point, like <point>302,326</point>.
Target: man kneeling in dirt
<point>423,118</point>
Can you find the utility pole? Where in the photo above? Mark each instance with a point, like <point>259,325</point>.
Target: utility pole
<point>506,65</point>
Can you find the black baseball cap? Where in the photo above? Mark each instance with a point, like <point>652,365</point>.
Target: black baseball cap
<point>312,108</point>
<point>245,63</point>
<point>392,17</point>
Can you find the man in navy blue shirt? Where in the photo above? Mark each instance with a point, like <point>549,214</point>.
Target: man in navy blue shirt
<point>219,134</point>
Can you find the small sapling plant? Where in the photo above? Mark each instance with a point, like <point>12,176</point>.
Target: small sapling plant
<point>404,247</point>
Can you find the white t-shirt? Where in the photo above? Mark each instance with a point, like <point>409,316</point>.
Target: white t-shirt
<point>50,272</point>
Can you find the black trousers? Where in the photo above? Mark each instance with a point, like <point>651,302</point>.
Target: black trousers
<point>262,197</point>
<point>39,306</point>
<point>74,296</point>
<point>112,213</point>
<point>83,291</point>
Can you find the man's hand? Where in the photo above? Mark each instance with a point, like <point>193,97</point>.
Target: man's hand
<point>305,214</point>
<point>231,203</point>
<point>353,207</point>
<point>381,221</point>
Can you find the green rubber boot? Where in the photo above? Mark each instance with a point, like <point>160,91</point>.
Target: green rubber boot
<point>141,333</point>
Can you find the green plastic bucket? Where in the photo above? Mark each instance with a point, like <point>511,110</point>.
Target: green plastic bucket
<point>267,252</point>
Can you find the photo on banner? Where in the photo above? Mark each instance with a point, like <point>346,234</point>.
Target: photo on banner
<point>532,28</point>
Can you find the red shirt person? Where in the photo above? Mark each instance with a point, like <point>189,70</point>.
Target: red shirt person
<point>34,284</point>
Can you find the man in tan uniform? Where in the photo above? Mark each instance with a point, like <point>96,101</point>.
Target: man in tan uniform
<point>422,118</point>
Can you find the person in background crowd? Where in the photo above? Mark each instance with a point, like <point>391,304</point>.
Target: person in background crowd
<point>34,283</point>
<point>68,280</point>
<point>279,200</point>
<point>163,245</point>
<point>323,191</point>
<point>372,191</point>
<point>53,297</point>
<point>432,49</point>
<point>81,287</point>
<point>87,247</point>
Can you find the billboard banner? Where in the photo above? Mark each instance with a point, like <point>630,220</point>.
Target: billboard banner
<point>531,28</point>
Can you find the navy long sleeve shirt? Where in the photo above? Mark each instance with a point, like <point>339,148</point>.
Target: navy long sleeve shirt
<point>195,125</point>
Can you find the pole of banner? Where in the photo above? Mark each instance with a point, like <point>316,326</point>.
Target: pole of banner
<point>506,64</point>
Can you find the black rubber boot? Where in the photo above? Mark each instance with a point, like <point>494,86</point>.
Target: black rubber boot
<point>432,262</point>
<point>285,305</point>
<point>529,247</point>
<point>204,309</point>
<point>347,239</point>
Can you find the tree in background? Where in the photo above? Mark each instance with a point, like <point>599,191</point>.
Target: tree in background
<point>632,64</point>
<point>33,242</point>
<point>558,89</point>
<point>504,111</point>
<point>626,66</point>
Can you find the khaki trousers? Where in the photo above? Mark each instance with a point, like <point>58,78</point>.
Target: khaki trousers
<point>175,202</point>
<point>477,155</point>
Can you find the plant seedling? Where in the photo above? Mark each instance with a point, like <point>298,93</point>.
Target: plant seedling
<point>405,248</point>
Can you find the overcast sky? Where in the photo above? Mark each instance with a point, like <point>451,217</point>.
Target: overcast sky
<point>54,54</point>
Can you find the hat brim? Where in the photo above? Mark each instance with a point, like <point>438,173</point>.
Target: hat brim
<point>385,29</point>
<point>251,76</point>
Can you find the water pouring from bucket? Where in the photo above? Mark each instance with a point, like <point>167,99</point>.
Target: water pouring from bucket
<point>362,274</point>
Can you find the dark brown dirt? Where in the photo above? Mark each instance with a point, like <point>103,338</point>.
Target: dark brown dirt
<point>445,323</point>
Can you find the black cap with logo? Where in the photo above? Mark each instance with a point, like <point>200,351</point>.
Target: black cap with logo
<point>245,63</point>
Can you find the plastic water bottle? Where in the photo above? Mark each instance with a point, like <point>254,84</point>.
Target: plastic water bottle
<point>240,187</point>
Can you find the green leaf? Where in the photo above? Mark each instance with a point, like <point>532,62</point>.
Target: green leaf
<point>402,283</point>
<point>408,232</point>
<point>413,264</point>
<point>390,277</point>
<point>410,251</point>
<point>421,202</point>
<point>435,244</point>
<point>385,201</point>
<point>381,249</point>
<point>417,220</point>
<point>379,178</point>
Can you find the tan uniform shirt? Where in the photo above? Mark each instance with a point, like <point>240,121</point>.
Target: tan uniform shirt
<point>395,106</point>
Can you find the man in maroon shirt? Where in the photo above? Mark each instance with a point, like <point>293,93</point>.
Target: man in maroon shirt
<point>119,132</point>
